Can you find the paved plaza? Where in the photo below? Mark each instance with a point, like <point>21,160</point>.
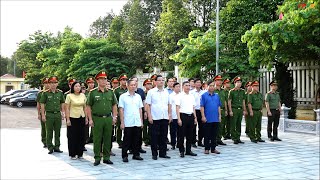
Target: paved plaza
<point>296,157</point>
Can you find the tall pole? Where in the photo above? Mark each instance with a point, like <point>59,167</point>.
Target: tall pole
<point>217,38</point>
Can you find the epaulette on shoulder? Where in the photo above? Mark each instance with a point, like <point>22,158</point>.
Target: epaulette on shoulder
<point>93,89</point>
<point>47,90</point>
<point>232,89</point>
<point>116,88</point>
<point>110,89</point>
<point>269,92</point>
<point>66,92</point>
<point>59,90</point>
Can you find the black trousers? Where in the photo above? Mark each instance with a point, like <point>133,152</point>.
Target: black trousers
<point>210,137</point>
<point>186,130</point>
<point>273,123</point>
<point>173,131</point>
<point>76,135</point>
<point>200,126</point>
<point>159,131</point>
<point>131,139</point>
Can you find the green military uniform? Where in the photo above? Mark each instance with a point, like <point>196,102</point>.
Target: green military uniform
<point>273,98</point>
<point>222,126</point>
<point>247,116</point>
<point>226,133</point>
<point>118,91</point>
<point>53,101</point>
<point>146,136</point>
<point>237,96</point>
<point>101,107</point>
<point>256,101</point>
<point>43,124</point>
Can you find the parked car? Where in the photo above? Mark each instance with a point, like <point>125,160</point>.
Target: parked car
<point>10,93</point>
<point>26,100</point>
<point>7,99</point>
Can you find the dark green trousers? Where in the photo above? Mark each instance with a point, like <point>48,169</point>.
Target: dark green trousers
<point>255,125</point>
<point>247,131</point>
<point>118,131</point>
<point>43,133</point>
<point>236,123</point>
<point>102,132</point>
<point>222,125</point>
<point>146,132</point>
<point>53,125</point>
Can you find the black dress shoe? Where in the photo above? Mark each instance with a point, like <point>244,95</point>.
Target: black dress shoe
<point>200,144</point>
<point>96,163</point>
<point>50,152</point>
<point>112,154</point>
<point>260,140</point>
<point>173,147</point>
<point>254,141</point>
<point>191,154</point>
<point>45,146</point>
<point>225,138</point>
<point>107,161</point>
<point>137,158</point>
<point>165,156</point>
<point>221,143</point>
<point>58,151</point>
<point>235,142</point>
<point>241,142</point>
<point>182,155</point>
<point>125,159</point>
<point>154,157</point>
<point>194,145</point>
<point>142,151</point>
<point>277,139</point>
<point>271,139</point>
<point>84,149</point>
<point>120,146</point>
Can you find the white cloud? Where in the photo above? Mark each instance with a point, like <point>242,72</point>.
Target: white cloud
<point>21,18</point>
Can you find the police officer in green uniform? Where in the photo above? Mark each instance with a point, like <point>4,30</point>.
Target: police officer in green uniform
<point>226,88</point>
<point>43,124</point>
<point>118,91</point>
<point>273,106</point>
<point>114,83</point>
<point>153,79</point>
<point>146,127</point>
<point>255,104</point>
<point>223,98</point>
<point>237,108</point>
<point>52,111</point>
<point>70,81</point>
<point>90,84</point>
<point>248,90</point>
<point>101,103</point>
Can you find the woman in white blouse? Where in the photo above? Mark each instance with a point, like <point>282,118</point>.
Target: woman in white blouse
<point>75,115</point>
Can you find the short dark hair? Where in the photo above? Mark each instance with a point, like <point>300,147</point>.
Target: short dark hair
<point>169,78</point>
<point>72,86</point>
<point>130,80</point>
<point>157,77</point>
<point>185,82</point>
<point>209,82</point>
<point>176,83</point>
<point>191,79</point>
<point>197,79</point>
<point>134,76</point>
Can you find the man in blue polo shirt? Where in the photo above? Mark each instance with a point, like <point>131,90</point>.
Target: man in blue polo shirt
<point>211,115</point>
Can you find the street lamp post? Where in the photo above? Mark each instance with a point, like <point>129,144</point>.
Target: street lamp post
<point>217,38</point>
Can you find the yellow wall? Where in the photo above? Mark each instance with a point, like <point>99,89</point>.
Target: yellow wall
<point>15,82</point>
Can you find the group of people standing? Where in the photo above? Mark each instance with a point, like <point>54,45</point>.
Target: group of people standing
<point>203,113</point>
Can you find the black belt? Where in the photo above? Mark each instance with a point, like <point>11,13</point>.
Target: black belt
<point>237,107</point>
<point>103,116</point>
<point>187,114</point>
<point>54,112</point>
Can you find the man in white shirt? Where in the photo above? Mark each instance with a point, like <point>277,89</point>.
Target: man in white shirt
<point>174,122</point>
<point>159,115</point>
<point>187,118</point>
<point>130,107</point>
<point>197,92</point>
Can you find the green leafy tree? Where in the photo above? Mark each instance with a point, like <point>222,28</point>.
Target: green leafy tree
<point>4,61</point>
<point>174,24</point>
<point>116,27</point>
<point>135,35</point>
<point>96,55</point>
<point>100,27</point>
<point>26,55</point>
<point>236,18</point>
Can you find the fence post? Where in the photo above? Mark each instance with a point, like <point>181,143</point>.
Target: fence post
<point>318,121</point>
<point>283,117</point>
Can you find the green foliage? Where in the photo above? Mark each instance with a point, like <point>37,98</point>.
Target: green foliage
<point>100,27</point>
<point>236,18</point>
<point>135,36</point>
<point>114,34</point>
<point>96,55</point>
<point>174,24</point>
<point>26,55</point>
<point>295,37</point>
<point>4,61</point>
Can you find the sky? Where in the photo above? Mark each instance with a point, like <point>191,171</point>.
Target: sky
<point>19,19</point>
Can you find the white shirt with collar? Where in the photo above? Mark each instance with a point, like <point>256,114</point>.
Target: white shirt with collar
<point>186,102</point>
<point>197,96</point>
<point>131,105</point>
<point>159,101</point>
<point>172,101</point>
